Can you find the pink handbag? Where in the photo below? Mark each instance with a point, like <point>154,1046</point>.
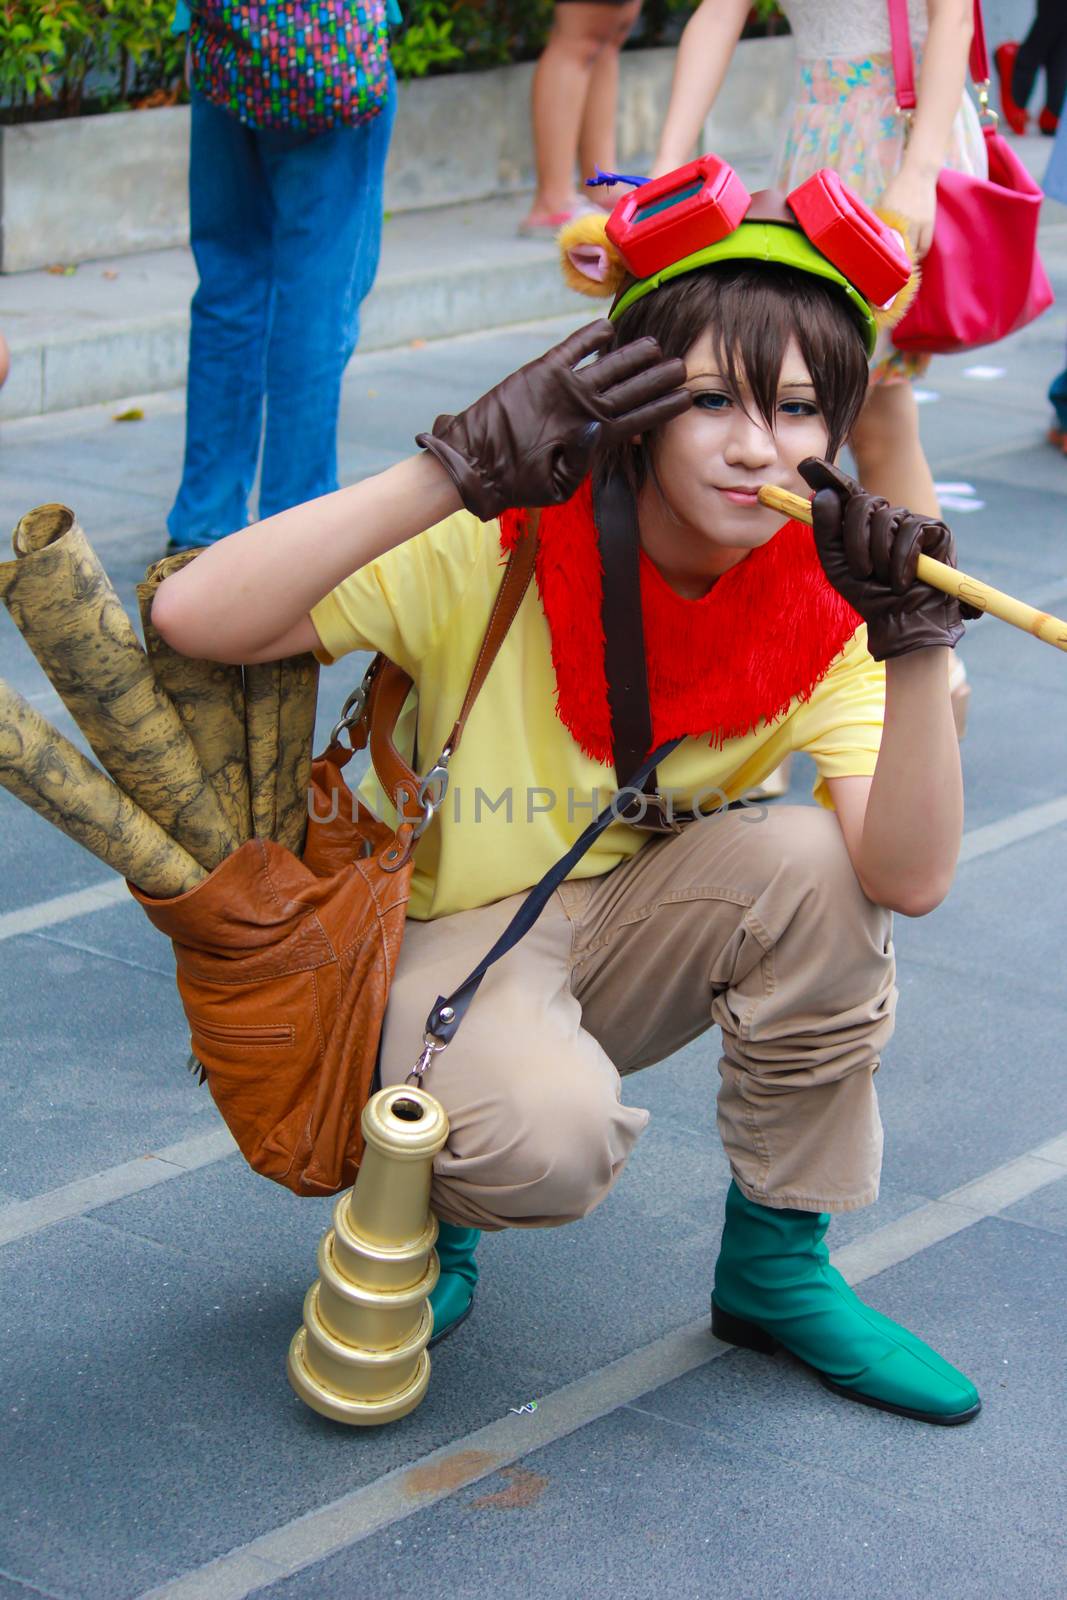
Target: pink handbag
<point>982,277</point>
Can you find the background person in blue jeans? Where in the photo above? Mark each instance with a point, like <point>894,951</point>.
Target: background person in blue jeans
<point>285,227</point>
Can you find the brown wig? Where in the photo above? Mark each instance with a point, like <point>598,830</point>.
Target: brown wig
<point>753,311</point>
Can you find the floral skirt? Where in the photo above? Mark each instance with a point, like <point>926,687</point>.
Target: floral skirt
<point>845,116</point>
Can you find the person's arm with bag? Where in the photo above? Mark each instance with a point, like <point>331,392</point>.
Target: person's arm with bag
<point>528,442</point>
<point>912,194</point>
<point>902,826</point>
<point>705,51</point>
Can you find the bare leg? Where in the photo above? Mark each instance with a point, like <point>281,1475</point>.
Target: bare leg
<point>596,141</point>
<point>890,461</point>
<point>581,31</point>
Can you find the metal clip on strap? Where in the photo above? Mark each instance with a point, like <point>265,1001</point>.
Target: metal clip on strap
<point>354,707</point>
<point>432,790</point>
<point>430,1047</point>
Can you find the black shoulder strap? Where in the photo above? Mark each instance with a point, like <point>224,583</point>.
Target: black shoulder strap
<point>615,512</point>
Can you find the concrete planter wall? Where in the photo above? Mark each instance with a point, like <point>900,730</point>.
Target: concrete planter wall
<point>113,185</point>
<point>477,125</point>
<point>93,186</point>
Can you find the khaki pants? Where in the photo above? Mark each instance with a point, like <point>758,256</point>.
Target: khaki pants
<point>752,921</point>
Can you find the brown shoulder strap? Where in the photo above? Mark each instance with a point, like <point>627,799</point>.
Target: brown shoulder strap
<point>392,685</point>
<point>509,598</point>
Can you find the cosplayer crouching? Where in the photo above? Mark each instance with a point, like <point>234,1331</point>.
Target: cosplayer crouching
<point>736,356</point>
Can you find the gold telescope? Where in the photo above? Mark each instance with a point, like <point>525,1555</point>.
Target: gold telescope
<point>360,1355</point>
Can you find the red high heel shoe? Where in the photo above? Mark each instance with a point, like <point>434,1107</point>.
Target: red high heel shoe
<point>1048,122</point>
<point>1004,59</point>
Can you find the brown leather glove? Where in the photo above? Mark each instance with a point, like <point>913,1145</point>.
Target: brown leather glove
<point>869,551</point>
<point>531,440</point>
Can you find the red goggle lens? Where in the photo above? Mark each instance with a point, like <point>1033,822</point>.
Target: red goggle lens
<point>859,244</point>
<point>673,216</point>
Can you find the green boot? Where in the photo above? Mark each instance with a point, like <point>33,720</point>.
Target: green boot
<point>774,1285</point>
<point>453,1294</point>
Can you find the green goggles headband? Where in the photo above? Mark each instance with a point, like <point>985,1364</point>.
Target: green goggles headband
<point>758,241</point>
<point>702,214</point>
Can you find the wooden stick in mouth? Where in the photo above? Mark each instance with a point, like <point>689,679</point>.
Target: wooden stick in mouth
<point>939,576</point>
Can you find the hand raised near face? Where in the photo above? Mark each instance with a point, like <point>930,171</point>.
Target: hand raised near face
<point>531,440</point>
<point>870,550</point>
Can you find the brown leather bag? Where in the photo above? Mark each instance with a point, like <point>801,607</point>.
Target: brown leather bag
<point>284,964</point>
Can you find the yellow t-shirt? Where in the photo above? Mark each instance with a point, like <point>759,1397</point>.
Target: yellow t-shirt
<point>520,790</point>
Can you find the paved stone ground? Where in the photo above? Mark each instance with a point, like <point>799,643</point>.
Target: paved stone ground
<point>151,1283</point>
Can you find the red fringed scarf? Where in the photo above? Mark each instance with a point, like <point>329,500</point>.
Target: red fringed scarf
<point>764,634</point>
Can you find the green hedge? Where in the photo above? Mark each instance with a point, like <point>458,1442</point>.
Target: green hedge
<point>64,57</point>
<point>51,51</point>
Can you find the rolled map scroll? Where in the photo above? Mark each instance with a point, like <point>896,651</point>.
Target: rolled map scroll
<point>296,734</point>
<point>254,739</point>
<point>63,602</point>
<point>263,689</point>
<point>280,699</point>
<point>210,699</point>
<point>48,773</point>
<point>167,564</point>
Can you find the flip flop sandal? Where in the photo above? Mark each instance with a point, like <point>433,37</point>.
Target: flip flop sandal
<point>548,227</point>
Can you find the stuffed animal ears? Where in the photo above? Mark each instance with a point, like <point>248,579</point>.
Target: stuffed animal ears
<point>888,316</point>
<point>590,262</point>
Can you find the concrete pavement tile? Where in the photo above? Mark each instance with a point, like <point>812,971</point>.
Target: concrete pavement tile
<point>1024,357</point>
<point>1020,389</point>
<point>1014,745</point>
<point>129,457</point>
<point>633,1506</point>
<point>24,388</point>
<point>1035,464</point>
<point>122,932</point>
<point>990,1299</point>
<point>962,434</point>
<point>16,1589</point>
<point>167,1371</point>
<point>102,509</point>
<point>226,1216</point>
<point>974,934</point>
<point>165,1363</point>
<point>384,391</point>
<point>96,1076</point>
<point>1047,1209</point>
<point>37,862</point>
<point>1015,750</point>
<point>962,1090</point>
<point>148,1424</point>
